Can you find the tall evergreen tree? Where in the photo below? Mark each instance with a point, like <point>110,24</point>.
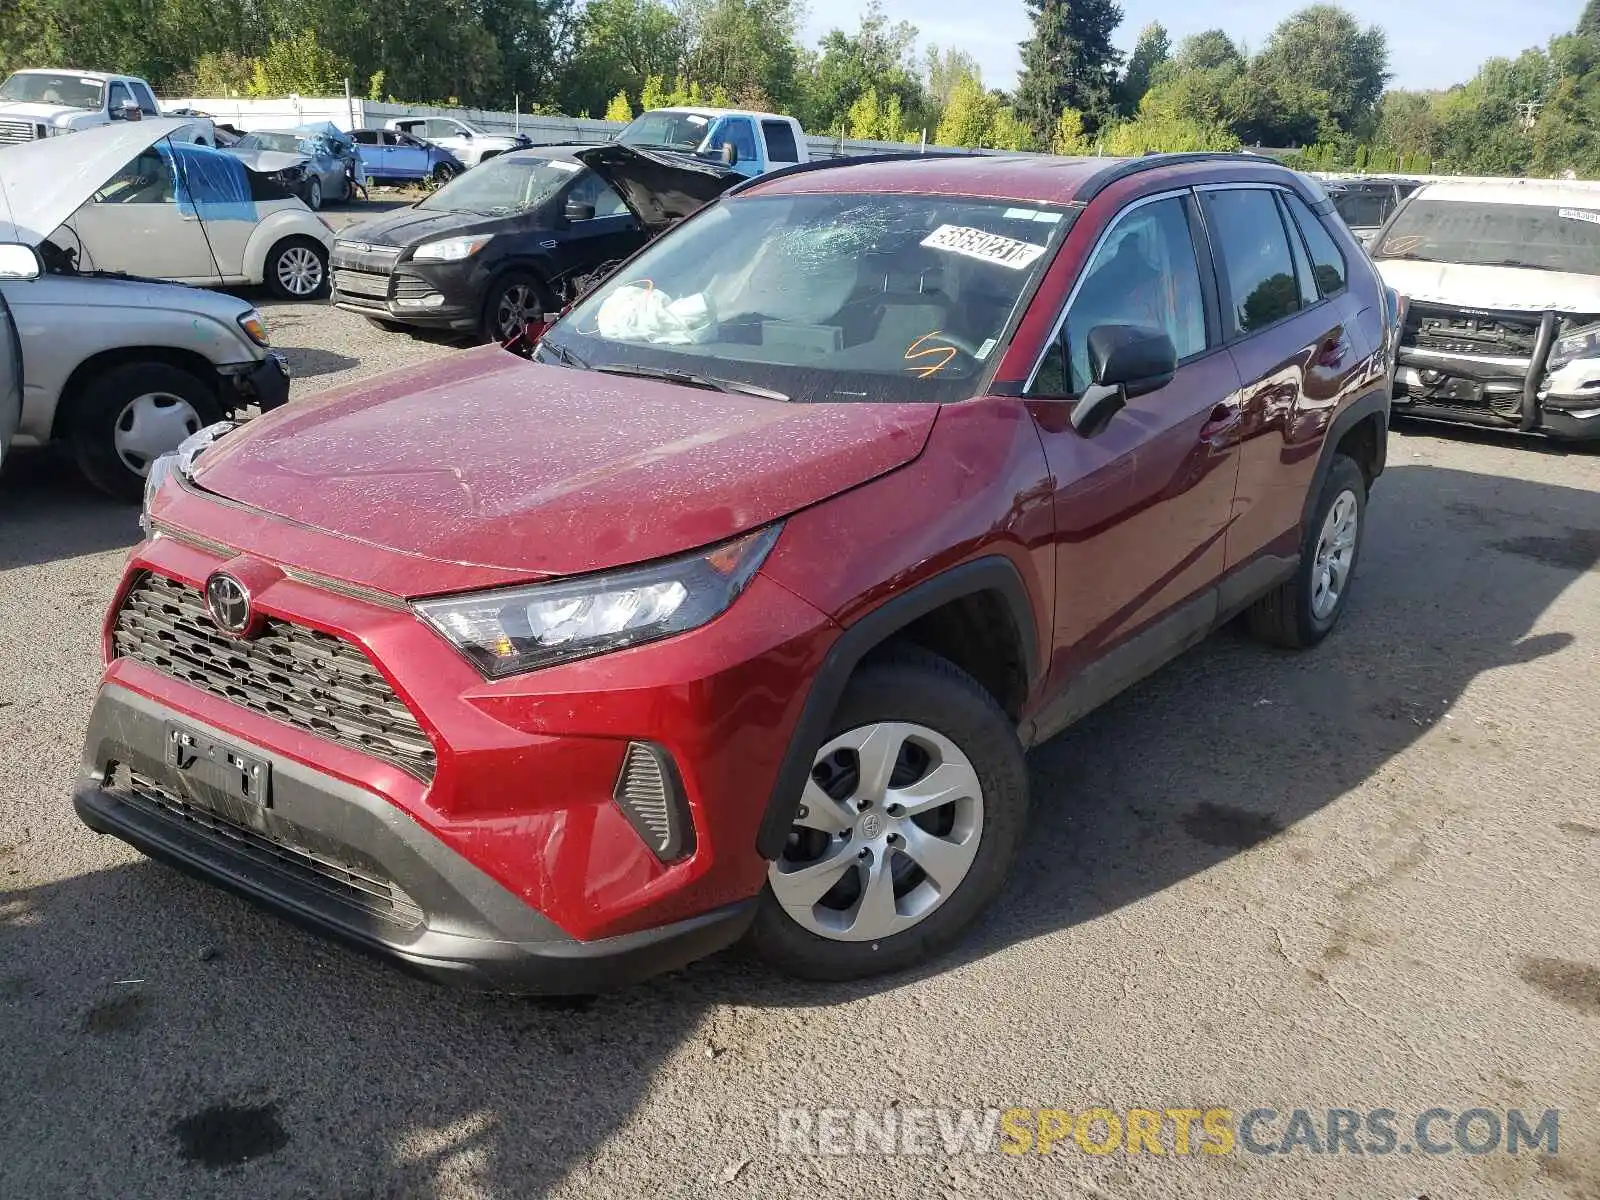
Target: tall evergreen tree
<point>1152,50</point>
<point>1589,22</point>
<point>1068,63</point>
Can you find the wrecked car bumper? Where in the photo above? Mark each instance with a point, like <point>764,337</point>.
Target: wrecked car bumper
<point>264,384</point>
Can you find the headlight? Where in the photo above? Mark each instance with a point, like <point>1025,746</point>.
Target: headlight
<point>451,249</point>
<point>255,327</point>
<point>1582,342</point>
<point>180,460</point>
<point>292,174</point>
<point>514,630</point>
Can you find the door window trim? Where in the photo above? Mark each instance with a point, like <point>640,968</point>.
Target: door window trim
<point>1203,266</point>
<point>1290,234</point>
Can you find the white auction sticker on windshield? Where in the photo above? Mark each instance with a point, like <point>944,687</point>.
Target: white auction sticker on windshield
<point>990,247</point>
<point>1580,214</point>
<point>562,164</point>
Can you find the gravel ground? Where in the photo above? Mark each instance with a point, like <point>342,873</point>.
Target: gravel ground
<point>1360,877</point>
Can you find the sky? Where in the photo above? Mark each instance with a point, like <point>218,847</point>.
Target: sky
<point>1432,43</point>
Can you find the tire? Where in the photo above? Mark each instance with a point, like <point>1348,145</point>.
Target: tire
<point>1297,615</point>
<point>126,417</point>
<point>927,707</point>
<point>314,194</point>
<point>290,266</point>
<point>443,174</point>
<point>500,294</point>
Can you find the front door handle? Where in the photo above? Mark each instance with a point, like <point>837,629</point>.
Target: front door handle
<point>1222,421</point>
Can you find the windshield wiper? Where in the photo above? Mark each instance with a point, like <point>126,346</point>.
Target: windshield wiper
<point>1517,262</point>
<point>565,355</point>
<point>687,379</point>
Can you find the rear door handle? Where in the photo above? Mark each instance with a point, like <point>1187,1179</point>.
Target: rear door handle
<point>1331,352</point>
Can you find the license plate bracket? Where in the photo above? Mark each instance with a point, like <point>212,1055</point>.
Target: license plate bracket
<point>236,773</point>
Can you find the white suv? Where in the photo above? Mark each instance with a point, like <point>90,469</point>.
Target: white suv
<point>468,142</point>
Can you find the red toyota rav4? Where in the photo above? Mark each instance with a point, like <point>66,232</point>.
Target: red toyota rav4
<point>732,614</point>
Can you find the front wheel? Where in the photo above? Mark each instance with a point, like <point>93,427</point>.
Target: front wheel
<point>131,415</point>
<point>314,194</point>
<point>443,174</point>
<point>513,301</point>
<point>1301,612</point>
<point>908,825</point>
<point>297,269</point>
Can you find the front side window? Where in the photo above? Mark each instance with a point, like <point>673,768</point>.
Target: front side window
<point>44,87</point>
<point>1538,236</point>
<point>822,296</point>
<point>740,134</point>
<point>1145,274</point>
<point>147,102</point>
<point>503,186</point>
<point>365,137</point>
<point>1252,247</point>
<point>119,98</point>
<point>1327,263</point>
<point>591,189</point>
<point>148,179</point>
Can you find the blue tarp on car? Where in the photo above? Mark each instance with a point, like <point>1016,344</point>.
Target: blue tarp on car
<point>215,185</point>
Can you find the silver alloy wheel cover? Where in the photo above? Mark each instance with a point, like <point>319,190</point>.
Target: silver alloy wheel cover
<point>868,839</point>
<point>299,271</point>
<point>156,423</point>
<point>314,191</point>
<point>1336,555</point>
<point>514,311</point>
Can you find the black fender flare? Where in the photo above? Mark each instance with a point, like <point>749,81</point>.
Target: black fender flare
<point>1374,404</point>
<point>992,573</point>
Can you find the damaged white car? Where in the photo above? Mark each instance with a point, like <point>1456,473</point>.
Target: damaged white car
<point>160,208</point>
<point>1502,279</point>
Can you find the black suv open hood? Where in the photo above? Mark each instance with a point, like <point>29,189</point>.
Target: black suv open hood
<point>660,187</point>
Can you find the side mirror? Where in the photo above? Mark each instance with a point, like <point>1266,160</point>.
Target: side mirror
<point>1124,361</point>
<point>730,154</point>
<point>19,262</point>
<point>130,111</point>
<point>578,211</point>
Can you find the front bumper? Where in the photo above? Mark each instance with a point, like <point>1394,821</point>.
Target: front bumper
<point>429,295</point>
<point>516,796</point>
<point>265,384</point>
<point>340,860</point>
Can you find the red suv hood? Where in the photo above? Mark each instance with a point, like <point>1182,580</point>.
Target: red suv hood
<point>487,460</point>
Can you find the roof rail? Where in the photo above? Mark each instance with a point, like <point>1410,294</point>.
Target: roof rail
<point>823,164</point>
<point>1123,168</point>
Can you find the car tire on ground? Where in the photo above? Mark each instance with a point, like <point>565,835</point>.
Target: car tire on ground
<point>1301,612</point>
<point>314,194</point>
<point>297,269</point>
<point>130,415</point>
<point>443,174</point>
<point>853,896</point>
<point>516,292</point>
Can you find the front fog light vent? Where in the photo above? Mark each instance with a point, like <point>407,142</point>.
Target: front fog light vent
<point>649,795</point>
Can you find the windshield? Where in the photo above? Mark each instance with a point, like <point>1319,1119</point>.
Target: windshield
<point>503,186</point>
<point>40,87</point>
<point>821,297</point>
<point>288,143</point>
<point>666,131</point>
<point>1531,235</point>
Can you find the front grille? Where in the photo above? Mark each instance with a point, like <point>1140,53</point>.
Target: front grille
<point>360,256</point>
<point>1451,331</point>
<point>360,283</point>
<point>12,132</point>
<point>329,869</point>
<point>302,677</point>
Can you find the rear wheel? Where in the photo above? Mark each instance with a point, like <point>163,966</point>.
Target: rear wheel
<point>906,830</point>
<point>1301,612</point>
<point>131,415</point>
<point>297,269</point>
<point>443,174</point>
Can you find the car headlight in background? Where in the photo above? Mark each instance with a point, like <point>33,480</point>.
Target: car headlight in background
<point>451,249</point>
<point>1582,342</point>
<point>180,460</point>
<point>255,327</point>
<point>508,631</point>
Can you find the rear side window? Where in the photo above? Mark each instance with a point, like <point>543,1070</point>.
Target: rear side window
<point>780,141</point>
<point>1257,265</point>
<point>147,102</point>
<point>1327,263</point>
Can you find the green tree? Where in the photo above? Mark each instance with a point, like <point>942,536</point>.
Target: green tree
<point>1069,138</point>
<point>1007,131</point>
<point>1323,48</point>
<point>945,67</point>
<point>1208,51</point>
<point>878,56</point>
<point>1150,53</point>
<point>221,73</point>
<point>1589,22</point>
<point>654,93</point>
<point>747,46</point>
<point>619,109</point>
<point>1068,63</point>
<point>299,65</point>
<point>968,115</point>
<point>618,44</point>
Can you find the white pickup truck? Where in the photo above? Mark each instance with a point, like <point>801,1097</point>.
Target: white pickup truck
<point>44,103</point>
<point>753,143</point>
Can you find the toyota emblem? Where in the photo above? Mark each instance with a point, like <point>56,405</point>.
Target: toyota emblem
<point>229,603</point>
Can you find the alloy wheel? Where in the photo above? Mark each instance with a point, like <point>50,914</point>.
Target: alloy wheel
<point>518,305</point>
<point>300,271</point>
<point>887,829</point>
<point>149,426</point>
<point>1335,556</point>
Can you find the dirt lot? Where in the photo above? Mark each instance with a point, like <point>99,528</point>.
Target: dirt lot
<point>1362,878</point>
